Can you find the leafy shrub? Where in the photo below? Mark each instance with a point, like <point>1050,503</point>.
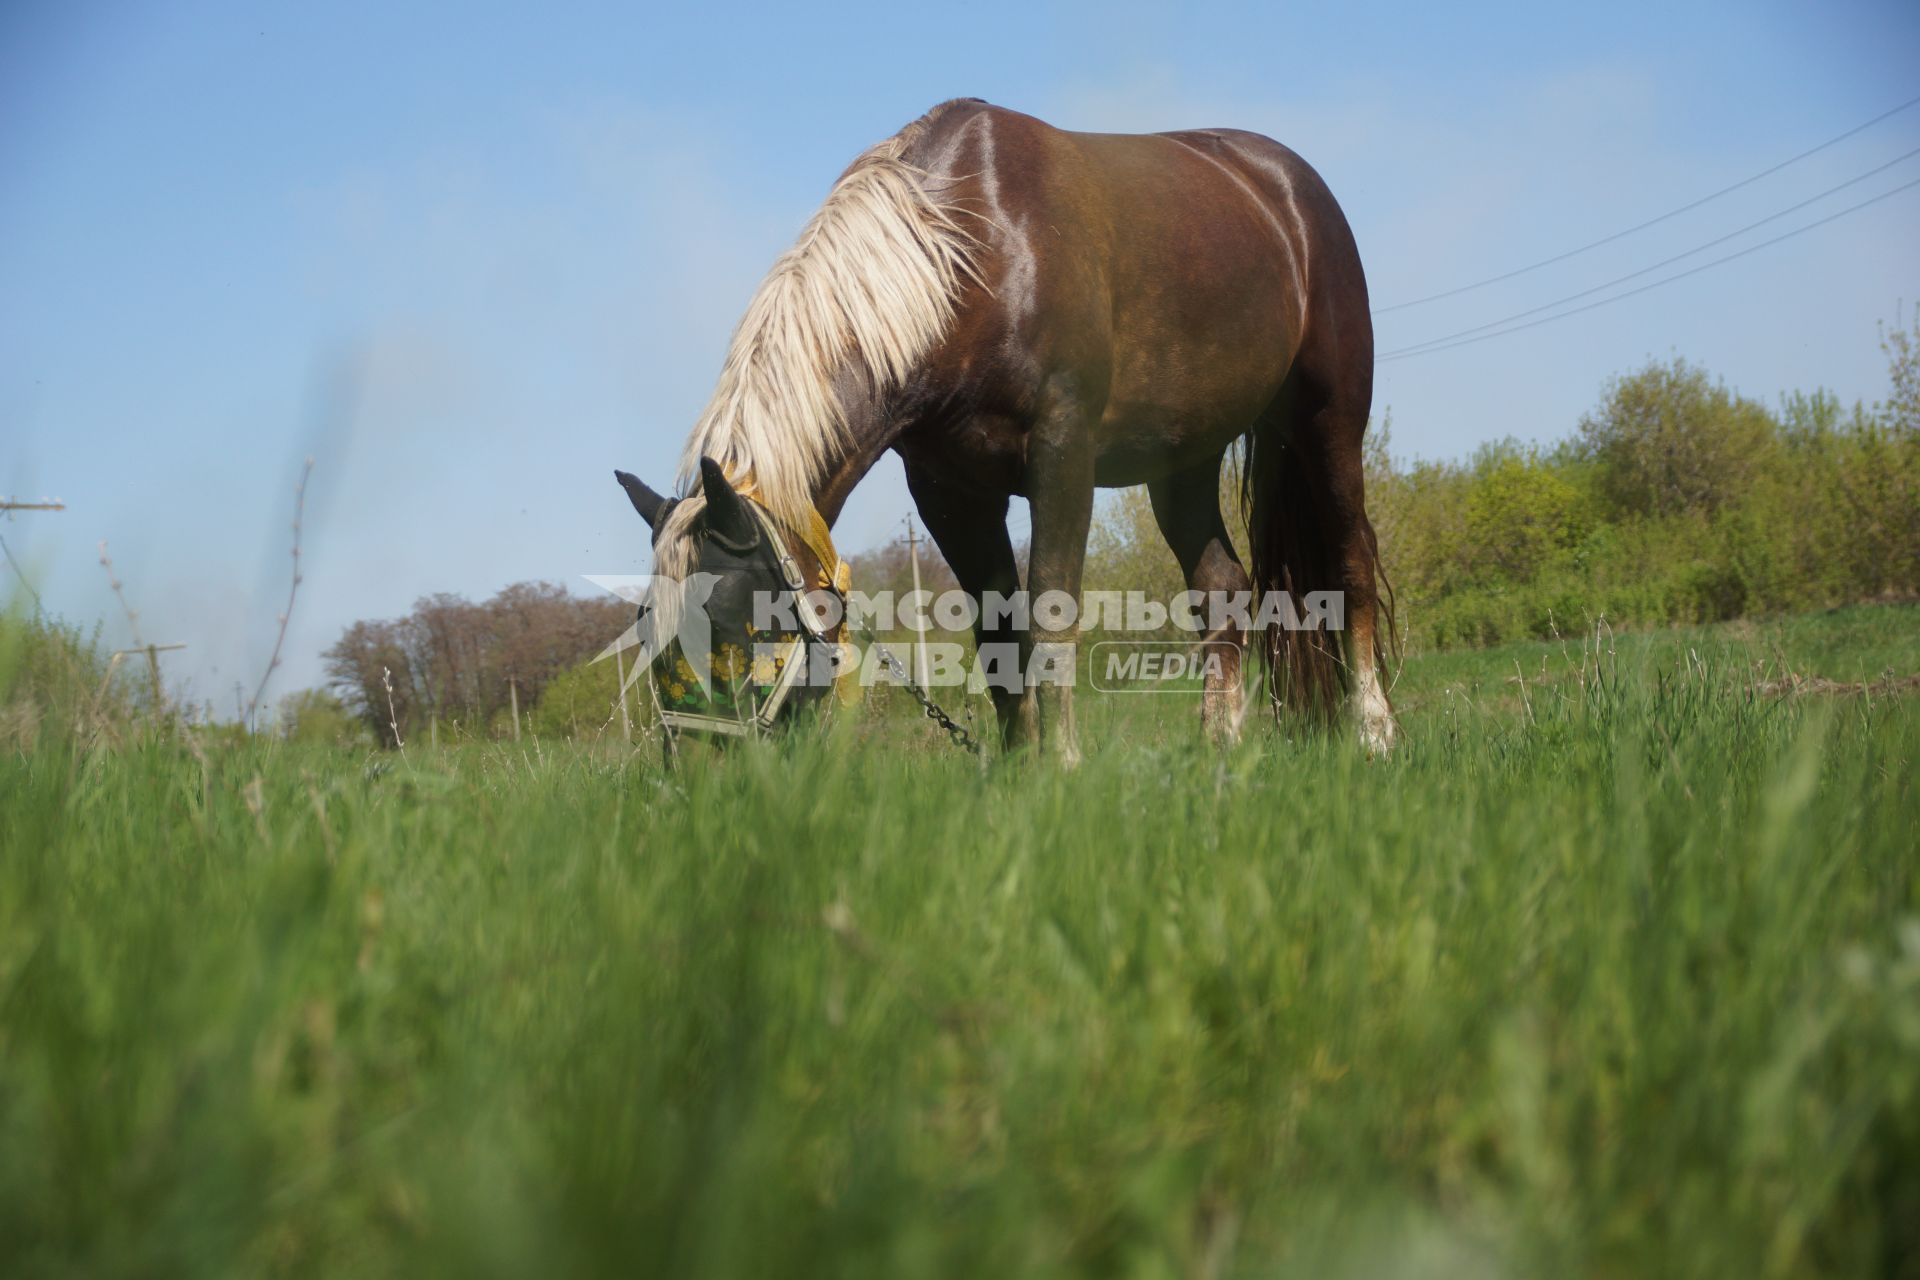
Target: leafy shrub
<point>580,702</point>
<point>1669,439</point>
<point>1519,515</point>
<point>1676,502</point>
<point>319,718</point>
<point>54,678</point>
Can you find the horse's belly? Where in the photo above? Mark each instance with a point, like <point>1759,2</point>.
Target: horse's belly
<point>1182,403</point>
<point>1136,448</point>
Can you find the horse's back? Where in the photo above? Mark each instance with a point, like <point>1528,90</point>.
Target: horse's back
<point>1173,269</point>
<point>1175,280</point>
<point>1021,157</point>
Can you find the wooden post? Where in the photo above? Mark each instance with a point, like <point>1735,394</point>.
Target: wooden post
<point>153,652</point>
<point>620,671</point>
<point>513,693</point>
<point>920,641</point>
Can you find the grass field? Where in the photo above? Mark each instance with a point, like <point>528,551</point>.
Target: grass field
<point>1613,971</point>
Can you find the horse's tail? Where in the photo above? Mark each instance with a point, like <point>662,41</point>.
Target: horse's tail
<point>1292,534</point>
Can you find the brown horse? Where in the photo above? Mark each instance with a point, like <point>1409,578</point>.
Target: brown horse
<point>1017,309</point>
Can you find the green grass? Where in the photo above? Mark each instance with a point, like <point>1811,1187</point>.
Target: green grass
<point>1613,972</point>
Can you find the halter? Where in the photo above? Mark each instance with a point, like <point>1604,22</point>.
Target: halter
<point>683,708</point>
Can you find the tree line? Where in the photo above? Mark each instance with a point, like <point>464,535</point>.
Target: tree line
<point>456,665</point>
<point>1675,501</point>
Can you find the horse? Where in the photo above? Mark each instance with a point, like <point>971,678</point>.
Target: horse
<point>1014,308</point>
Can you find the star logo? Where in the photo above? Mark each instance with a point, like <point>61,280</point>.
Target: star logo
<point>670,609</point>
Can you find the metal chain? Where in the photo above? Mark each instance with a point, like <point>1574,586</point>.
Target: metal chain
<point>959,735</point>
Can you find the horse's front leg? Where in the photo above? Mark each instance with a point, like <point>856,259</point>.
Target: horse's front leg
<point>971,531</point>
<point>1060,457</point>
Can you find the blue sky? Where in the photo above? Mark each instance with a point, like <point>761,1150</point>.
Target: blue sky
<point>470,258</point>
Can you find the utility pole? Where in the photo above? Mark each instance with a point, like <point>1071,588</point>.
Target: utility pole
<point>920,640</point>
<point>153,652</point>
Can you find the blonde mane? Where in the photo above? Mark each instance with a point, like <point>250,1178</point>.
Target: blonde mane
<point>874,277</point>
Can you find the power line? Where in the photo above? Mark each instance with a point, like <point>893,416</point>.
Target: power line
<point>1671,213</point>
<point>1664,262</point>
<point>1678,275</point>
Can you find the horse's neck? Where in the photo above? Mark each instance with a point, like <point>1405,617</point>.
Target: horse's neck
<point>872,428</point>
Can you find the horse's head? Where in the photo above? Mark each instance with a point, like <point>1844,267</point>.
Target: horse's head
<point>725,603</point>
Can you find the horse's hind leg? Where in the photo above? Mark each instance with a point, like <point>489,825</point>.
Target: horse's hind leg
<point>1327,439</point>
<point>1186,506</point>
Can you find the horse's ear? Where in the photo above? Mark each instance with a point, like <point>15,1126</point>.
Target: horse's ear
<point>727,516</point>
<point>645,501</point>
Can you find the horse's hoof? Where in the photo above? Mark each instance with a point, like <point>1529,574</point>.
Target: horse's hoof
<point>1377,737</point>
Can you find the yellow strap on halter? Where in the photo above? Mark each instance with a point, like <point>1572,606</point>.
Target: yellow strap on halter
<point>834,573</point>
<point>819,540</point>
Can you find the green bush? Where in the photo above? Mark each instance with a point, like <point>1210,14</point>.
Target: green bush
<point>1668,439</point>
<point>1521,514</point>
<point>55,678</point>
<point>315,717</point>
<point>580,702</point>
<point>1676,502</point>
